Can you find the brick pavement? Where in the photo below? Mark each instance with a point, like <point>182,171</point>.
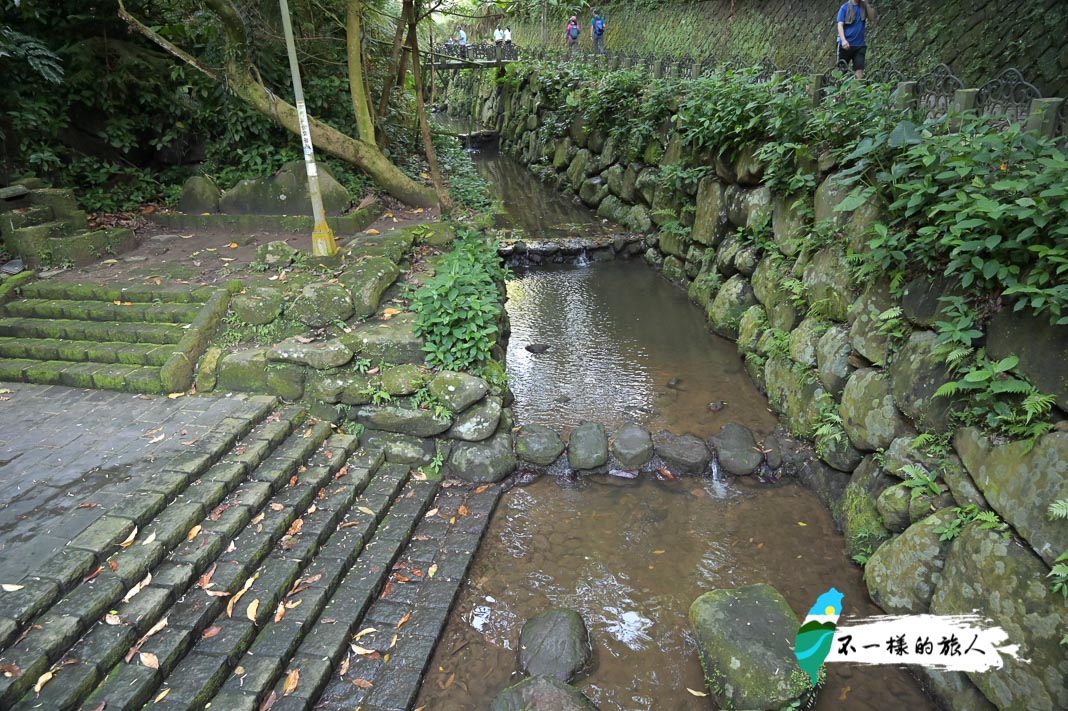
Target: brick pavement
<point>237,561</point>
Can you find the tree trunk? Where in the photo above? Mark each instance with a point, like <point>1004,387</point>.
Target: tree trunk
<point>354,45</point>
<point>444,199</point>
<point>241,78</point>
<point>391,74</point>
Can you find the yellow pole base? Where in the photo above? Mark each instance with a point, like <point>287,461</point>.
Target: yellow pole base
<point>323,244</point>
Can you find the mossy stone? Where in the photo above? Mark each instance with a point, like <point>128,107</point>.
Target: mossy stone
<point>244,371</point>
<point>868,412</point>
<point>200,195</point>
<point>861,522</point>
<point>903,574</point>
<point>539,445</point>
<point>258,306</point>
<point>367,280</point>
<point>320,305</point>
<point>457,391</point>
<point>725,311</point>
<point>403,379</point>
<point>286,381</point>
<point>893,505</point>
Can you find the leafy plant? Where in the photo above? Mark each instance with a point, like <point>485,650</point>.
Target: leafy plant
<point>458,309</point>
<point>1059,574</point>
<point>920,481</point>
<point>986,520</point>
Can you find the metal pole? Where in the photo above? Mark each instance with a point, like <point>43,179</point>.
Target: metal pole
<point>323,244</point>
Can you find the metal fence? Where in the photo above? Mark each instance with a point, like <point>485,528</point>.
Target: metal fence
<point>1008,97</point>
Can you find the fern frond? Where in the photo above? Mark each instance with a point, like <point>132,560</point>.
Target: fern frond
<point>1058,509</point>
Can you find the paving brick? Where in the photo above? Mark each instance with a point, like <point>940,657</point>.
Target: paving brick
<point>128,686</point>
<point>105,645</point>
<point>89,602</point>
<point>103,533</point>
<point>70,683</point>
<point>67,567</point>
<point>173,525</point>
<point>173,577</point>
<point>193,682</point>
<point>235,701</point>
<point>22,605</point>
<point>133,564</point>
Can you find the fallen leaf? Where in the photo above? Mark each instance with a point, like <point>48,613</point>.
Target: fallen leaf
<point>137,588</point>
<point>449,681</point>
<point>151,537</point>
<point>462,510</point>
<point>432,570</point>
<point>10,587</point>
<point>237,596</point>
<point>269,701</point>
<point>277,507</point>
<point>363,633</point>
<point>87,506</point>
<point>11,671</point>
<point>162,695</point>
<point>280,612</point>
<point>252,609</point>
<point>205,579</point>
<point>129,539</point>
<point>362,683</point>
<point>175,396</point>
<point>295,528</point>
<point>661,552</point>
<point>258,518</point>
<point>373,231</point>
<point>113,564</point>
<point>364,509</point>
<point>232,245</point>
<point>158,438</point>
<point>41,681</point>
<point>211,632</point>
<point>293,603</point>
<point>93,574</point>
<point>393,642</point>
<point>344,668</point>
<point>292,679</point>
<point>431,513</point>
<point>193,532</point>
<point>696,693</point>
<point>217,593</point>
<point>482,488</point>
<point>362,651</point>
<point>387,314</point>
<point>419,476</point>
<point>801,523</point>
<point>149,660</point>
<point>404,620</point>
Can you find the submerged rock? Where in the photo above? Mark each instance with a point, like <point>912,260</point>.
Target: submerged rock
<point>541,693</point>
<point>555,643</point>
<point>744,637</point>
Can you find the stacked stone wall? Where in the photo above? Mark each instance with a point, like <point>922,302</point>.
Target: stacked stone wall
<point>812,341</point>
<point>977,39</point>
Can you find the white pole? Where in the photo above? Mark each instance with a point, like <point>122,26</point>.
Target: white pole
<point>323,244</point>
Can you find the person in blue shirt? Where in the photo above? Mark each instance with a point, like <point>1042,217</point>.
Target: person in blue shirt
<point>461,39</point>
<point>597,32</point>
<point>853,17</point>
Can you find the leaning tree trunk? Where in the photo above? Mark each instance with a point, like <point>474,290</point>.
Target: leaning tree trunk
<point>240,77</point>
<point>357,88</point>
<point>444,199</point>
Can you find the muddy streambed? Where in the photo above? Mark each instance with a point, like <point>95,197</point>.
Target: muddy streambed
<point>632,555</point>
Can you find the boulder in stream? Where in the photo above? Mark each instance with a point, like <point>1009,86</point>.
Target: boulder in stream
<point>541,693</point>
<point>632,446</point>
<point>587,448</point>
<point>744,637</point>
<point>684,454</point>
<point>539,445</point>
<point>737,450</point>
<point>554,643</point>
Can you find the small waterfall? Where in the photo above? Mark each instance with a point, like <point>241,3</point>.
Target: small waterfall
<point>714,467</point>
<point>583,259</point>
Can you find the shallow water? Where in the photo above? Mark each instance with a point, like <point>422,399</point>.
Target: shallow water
<point>631,556</point>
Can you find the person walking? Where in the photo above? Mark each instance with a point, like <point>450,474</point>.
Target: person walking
<point>461,40</point>
<point>571,35</point>
<point>498,36</point>
<point>853,17</point>
<point>507,35</point>
<point>597,32</point>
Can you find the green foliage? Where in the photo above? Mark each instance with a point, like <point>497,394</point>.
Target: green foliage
<point>829,432</point>
<point>986,520</point>
<point>459,307</point>
<point>1059,574</point>
<point>237,332</point>
<point>20,47</point>
<point>921,482</point>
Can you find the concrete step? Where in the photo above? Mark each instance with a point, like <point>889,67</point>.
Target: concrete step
<point>85,351</point>
<point>175,541</point>
<point>118,311</point>
<point>25,217</point>
<point>75,330</point>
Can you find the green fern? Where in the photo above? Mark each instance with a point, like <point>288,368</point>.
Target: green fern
<point>40,58</point>
<point>1058,509</point>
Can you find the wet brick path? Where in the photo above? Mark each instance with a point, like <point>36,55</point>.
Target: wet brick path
<point>249,558</point>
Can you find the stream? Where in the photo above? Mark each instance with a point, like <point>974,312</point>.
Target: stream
<point>632,555</point>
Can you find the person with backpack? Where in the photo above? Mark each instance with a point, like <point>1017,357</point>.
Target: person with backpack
<point>571,35</point>
<point>853,17</point>
<point>597,32</point>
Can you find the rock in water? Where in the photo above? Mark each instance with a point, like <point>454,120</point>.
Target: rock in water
<point>744,638</point>
<point>541,693</point>
<point>554,643</point>
<point>537,348</point>
<point>675,383</point>
<point>716,405</point>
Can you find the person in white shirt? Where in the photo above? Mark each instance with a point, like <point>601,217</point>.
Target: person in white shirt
<point>507,35</point>
<point>498,36</point>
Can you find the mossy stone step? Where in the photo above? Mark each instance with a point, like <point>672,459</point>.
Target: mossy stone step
<point>105,376</point>
<point>45,289</point>
<point>123,311</point>
<point>24,217</point>
<point>85,351</point>
<point>91,330</point>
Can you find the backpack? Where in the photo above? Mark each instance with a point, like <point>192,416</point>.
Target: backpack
<point>598,26</point>
<point>573,31</point>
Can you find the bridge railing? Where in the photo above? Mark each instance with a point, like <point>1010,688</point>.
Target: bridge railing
<point>1007,98</point>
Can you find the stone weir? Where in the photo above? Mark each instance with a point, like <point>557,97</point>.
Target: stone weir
<point>534,252</point>
<point>854,370</point>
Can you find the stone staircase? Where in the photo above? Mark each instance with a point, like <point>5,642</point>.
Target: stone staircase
<point>138,339</point>
<point>45,227</point>
<point>292,570</point>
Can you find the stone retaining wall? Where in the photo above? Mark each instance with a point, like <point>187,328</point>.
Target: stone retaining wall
<point>811,340</point>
